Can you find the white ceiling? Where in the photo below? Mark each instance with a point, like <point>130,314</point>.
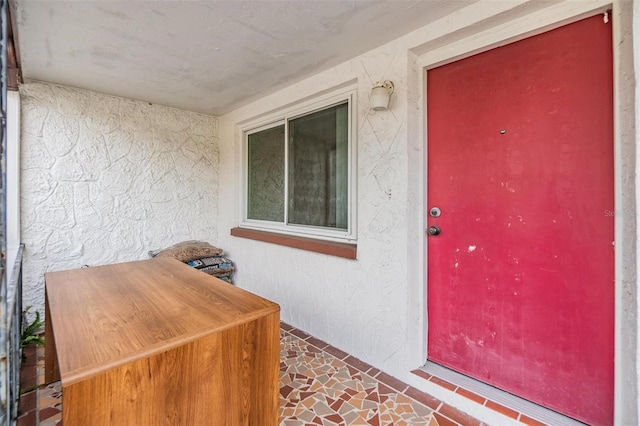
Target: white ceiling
<point>205,56</point>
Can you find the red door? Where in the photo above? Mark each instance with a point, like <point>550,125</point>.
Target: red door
<point>520,164</point>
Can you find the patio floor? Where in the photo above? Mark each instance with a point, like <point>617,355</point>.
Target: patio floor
<point>319,385</point>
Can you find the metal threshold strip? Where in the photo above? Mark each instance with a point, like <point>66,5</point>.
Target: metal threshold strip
<point>507,399</point>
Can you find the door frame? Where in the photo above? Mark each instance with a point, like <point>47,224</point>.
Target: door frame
<point>626,325</point>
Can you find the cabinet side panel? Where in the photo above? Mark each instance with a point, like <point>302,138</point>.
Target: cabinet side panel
<point>51,371</point>
<point>226,378</point>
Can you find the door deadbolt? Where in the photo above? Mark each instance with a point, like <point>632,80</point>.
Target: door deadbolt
<point>433,230</point>
<point>435,212</point>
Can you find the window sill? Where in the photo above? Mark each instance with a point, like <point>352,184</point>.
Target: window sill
<point>348,251</point>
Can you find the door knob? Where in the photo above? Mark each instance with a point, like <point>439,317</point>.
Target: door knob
<point>433,230</point>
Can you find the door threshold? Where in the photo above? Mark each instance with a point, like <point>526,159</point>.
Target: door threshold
<point>490,393</point>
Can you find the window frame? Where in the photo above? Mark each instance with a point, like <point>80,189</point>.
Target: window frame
<point>282,117</point>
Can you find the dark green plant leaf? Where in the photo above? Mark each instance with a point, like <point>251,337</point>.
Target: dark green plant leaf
<point>29,331</point>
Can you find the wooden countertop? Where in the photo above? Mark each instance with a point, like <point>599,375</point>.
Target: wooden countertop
<point>106,316</point>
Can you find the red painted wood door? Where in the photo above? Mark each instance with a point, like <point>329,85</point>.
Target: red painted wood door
<point>520,163</point>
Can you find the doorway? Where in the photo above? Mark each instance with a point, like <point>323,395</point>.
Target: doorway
<point>521,219</point>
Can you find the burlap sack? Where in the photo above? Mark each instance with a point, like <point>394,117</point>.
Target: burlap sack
<point>188,250</point>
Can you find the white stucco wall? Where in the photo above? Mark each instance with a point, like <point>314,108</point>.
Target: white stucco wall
<point>359,306</point>
<point>631,402</point>
<point>374,307</point>
<point>106,179</point>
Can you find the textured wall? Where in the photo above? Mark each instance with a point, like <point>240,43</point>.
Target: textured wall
<point>627,362</point>
<point>361,306</point>
<point>106,179</point>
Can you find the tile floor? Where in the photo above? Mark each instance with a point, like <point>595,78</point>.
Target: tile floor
<point>319,385</point>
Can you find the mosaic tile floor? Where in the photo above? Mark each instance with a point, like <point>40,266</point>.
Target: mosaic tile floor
<point>319,386</point>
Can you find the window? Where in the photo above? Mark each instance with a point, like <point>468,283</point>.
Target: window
<point>298,172</point>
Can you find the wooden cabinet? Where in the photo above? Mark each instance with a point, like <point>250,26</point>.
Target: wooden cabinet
<point>156,342</point>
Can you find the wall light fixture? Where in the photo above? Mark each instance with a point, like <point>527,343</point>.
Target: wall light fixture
<point>380,95</point>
